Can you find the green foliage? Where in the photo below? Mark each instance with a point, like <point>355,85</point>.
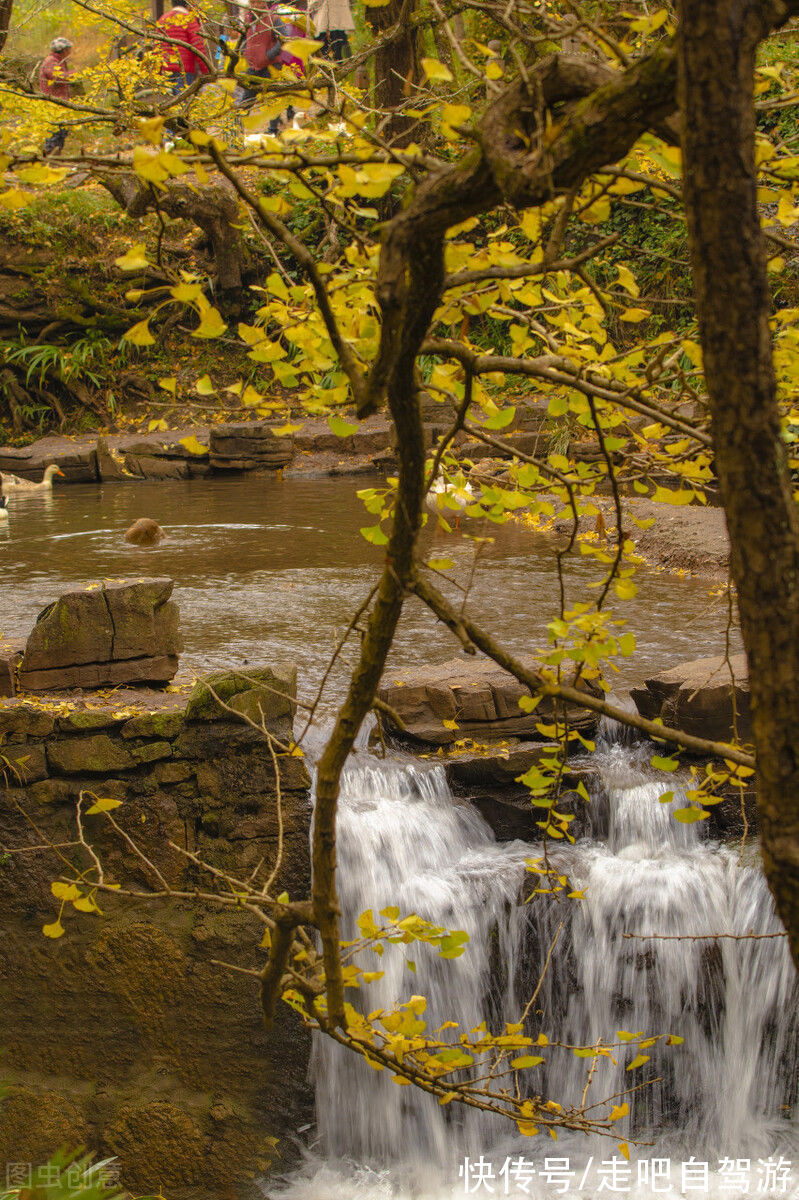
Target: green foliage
<point>80,360</point>
<point>69,219</point>
<point>67,1176</point>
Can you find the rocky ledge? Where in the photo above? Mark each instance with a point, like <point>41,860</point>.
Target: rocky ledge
<point>242,446</point>
<point>707,697</point>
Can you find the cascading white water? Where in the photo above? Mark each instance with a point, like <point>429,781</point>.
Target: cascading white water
<point>403,842</point>
<point>725,1093</point>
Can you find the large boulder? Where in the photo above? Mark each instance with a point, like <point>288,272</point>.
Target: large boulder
<point>470,698</point>
<point>700,698</point>
<point>104,634</point>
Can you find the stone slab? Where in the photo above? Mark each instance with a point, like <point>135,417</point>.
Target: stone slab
<point>123,631</point>
<point>97,755</point>
<point>478,696</point>
<point>78,460</point>
<point>697,697</point>
<point>161,669</point>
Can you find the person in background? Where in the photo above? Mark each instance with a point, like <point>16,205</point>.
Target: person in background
<point>54,76</point>
<point>182,63</point>
<point>333,22</point>
<point>264,35</point>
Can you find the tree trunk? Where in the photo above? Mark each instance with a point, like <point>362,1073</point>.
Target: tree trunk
<point>396,69</point>
<point>718,41</point>
<point>213,209</point>
<point>6,9</point>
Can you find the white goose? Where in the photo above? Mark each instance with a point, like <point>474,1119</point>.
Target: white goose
<point>13,483</point>
<point>462,494</point>
<point>443,494</point>
<point>3,511</point>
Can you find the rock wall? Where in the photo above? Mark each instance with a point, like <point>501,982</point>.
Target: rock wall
<point>123,1034</point>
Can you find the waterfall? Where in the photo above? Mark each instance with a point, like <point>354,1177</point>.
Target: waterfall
<point>726,1093</point>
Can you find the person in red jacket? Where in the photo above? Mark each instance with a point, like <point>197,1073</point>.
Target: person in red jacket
<point>54,75</point>
<point>264,33</point>
<point>182,62</point>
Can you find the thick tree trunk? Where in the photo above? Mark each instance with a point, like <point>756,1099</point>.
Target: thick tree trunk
<point>718,40</point>
<point>396,69</point>
<point>213,209</point>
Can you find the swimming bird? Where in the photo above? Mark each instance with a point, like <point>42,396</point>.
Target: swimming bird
<point>145,532</point>
<point>3,511</point>
<point>445,494</point>
<point>13,483</point>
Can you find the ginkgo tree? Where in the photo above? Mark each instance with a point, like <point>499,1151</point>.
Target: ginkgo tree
<point>479,252</point>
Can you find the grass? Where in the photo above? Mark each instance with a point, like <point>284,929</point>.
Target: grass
<point>80,219</point>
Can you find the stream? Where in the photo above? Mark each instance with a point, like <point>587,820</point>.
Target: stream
<point>268,570</point>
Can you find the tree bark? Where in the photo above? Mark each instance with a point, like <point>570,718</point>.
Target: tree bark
<point>213,209</point>
<point>396,68</point>
<point>717,44</point>
<point>6,9</point>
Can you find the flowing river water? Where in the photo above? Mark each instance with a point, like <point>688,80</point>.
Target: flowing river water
<point>267,570</point>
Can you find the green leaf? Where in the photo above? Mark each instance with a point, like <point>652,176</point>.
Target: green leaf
<point>501,419</point>
<point>688,816</point>
<point>627,644</point>
<point>341,428</point>
<point>526,1060</point>
<point>375,535</point>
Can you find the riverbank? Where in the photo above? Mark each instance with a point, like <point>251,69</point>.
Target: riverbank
<point>688,539</point>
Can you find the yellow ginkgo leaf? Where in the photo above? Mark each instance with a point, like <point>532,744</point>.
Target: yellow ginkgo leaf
<point>104,805</point>
<point>436,71</point>
<point>42,174</point>
<point>151,130</point>
<point>65,891</point>
<point>14,199</point>
<point>139,334</point>
<point>211,324</point>
<point>193,445</point>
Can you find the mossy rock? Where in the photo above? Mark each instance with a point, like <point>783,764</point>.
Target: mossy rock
<point>165,725</point>
<point>79,722</point>
<point>263,692</point>
<point>98,755</point>
<point>24,718</point>
<point>152,751</point>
